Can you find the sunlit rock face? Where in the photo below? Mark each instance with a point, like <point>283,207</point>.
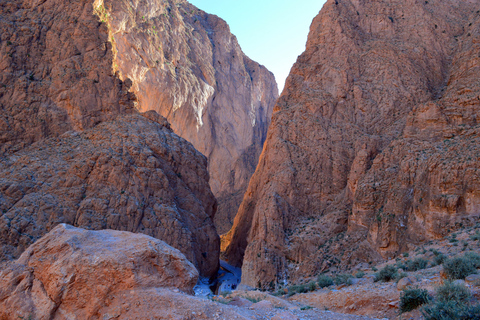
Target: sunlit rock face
<point>186,65</point>
<point>55,71</point>
<point>72,273</point>
<point>373,144</point>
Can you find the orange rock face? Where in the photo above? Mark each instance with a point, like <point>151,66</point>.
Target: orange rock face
<point>186,65</point>
<point>132,174</point>
<point>55,71</point>
<point>72,273</point>
<point>373,142</point>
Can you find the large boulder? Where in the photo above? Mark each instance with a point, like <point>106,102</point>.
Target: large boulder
<point>72,273</point>
<point>133,174</point>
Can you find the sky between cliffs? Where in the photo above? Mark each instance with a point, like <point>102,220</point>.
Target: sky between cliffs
<point>271,32</point>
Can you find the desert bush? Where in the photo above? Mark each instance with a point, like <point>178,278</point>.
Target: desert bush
<point>416,264</point>
<point>459,267</point>
<point>474,258</point>
<point>388,273</point>
<point>451,310</point>
<point>450,291</point>
<point>360,274</point>
<point>411,299</point>
<point>439,259</point>
<point>343,279</point>
<point>324,281</point>
<point>452,301</point>
<point>312,286</point>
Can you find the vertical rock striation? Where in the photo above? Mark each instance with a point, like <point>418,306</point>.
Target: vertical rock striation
<point>372,145</point>
<point>55,71</point>
<point>186,65</point>
<point>74,149</point>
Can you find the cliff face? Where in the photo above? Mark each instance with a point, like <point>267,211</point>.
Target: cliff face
<point>132,174</point>
<point>186,65</point>
<point>372,145</point>
<point>55,71</point>
<point>74,149</point>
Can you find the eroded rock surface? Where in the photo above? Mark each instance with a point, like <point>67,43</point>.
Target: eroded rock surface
<point>373,142</point>
<point>132,174</point>
<point>186,65</point>
<point>55,71</point>
<point>72,273</point>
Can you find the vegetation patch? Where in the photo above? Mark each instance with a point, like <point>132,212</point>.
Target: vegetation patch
<point>324,281</point>
<point>459,267</point>
<point>388,273</point>
<point>411,299</point>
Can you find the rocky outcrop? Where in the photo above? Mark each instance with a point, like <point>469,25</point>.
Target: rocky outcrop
<point>186,65</point>
<point>55,71</point>
<point>72,273</point>
<point>61,65</point>
<point>133,174</point>
<point>372,145</point>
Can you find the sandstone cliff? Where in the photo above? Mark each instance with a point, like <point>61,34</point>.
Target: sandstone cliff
<point>373,142</point>
<point>186,65</point>
<point>55,71</point>
<point>132,174</point>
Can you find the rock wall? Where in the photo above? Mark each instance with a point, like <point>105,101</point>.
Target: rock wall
<point>372,145</point>
<point>55,71</point>
<point>186,65</point>
<point>132,174</point>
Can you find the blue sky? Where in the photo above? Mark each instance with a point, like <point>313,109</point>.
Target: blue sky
<point>271,32</point>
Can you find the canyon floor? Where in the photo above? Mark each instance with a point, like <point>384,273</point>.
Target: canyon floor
<point>362,297</point>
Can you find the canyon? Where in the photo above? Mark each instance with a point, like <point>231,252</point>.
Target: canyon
<point>134,133</point>
<point>186,65</point>
<point>82,142</point>
<point>372,147</point>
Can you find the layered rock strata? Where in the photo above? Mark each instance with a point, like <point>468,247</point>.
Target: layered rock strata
<point>186,65</point>
<point>373,142</point>
<point>133,174</point>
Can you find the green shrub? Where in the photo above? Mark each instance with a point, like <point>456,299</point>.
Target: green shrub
<point>324,281</point>
<point>360,274</point>
<point>416,264</point>
<point>343,279</point>
<point>405,254</point>
<point>474,258</point>
<point>459,267</point>
<point>411,299</point>
<point>388,273</point>
<point>401,265</point>
<point>450,311</point>
<point>312,286</point>
<point>452,301</point>
<point>450,291</point>
<point>439,259</point>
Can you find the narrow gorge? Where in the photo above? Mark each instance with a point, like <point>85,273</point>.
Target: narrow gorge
<point>373,143</point>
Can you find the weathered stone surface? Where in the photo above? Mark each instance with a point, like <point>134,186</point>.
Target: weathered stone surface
<point>58,72</point>
<point>373,142</point>
<point>186,65</point>
<point>72,273</point>
<point>132,174</point>
<point>55,71</point>
<point>405,282</point>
